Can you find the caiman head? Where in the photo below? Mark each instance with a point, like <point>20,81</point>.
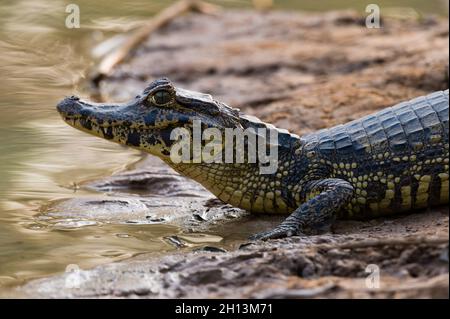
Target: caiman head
<point>146,122</point>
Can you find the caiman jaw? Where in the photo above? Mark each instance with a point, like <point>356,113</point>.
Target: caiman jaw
<point>132,124</point>
<point>87,117</point>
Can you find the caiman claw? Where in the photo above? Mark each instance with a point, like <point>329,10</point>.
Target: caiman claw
<point>278,232</point>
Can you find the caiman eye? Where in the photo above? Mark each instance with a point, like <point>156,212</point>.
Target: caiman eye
<point>161,97</point>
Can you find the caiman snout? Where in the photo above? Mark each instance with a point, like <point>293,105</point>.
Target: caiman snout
<point>78,114</point>
<point>103,120</point>
<point>69,106</point>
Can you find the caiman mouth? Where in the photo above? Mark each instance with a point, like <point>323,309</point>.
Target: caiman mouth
<point>90,126</point>
<point>96,119</point>
<point>120,123</point>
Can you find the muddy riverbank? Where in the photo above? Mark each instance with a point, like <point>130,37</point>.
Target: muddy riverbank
<point>299,71</point>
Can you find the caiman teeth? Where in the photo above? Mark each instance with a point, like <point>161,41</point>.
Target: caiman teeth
<point>70,120</point>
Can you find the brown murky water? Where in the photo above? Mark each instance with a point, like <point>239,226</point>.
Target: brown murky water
<point>43,159</point>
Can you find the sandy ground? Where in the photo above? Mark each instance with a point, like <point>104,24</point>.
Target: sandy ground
<point>301,72</point>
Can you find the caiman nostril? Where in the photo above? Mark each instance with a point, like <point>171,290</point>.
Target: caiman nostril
<point>68,104</point>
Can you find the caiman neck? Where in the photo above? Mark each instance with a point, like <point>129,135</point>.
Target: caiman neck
<point>242,184</point>
<point>236,184</point>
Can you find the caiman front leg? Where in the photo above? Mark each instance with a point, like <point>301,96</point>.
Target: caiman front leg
<point>332,195</point>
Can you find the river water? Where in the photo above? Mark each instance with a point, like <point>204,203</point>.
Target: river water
<point>42,159</point>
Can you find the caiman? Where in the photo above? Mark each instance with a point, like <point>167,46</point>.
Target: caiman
<point>390,162</point>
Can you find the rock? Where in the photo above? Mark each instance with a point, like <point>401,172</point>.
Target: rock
<point>140,196</point>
